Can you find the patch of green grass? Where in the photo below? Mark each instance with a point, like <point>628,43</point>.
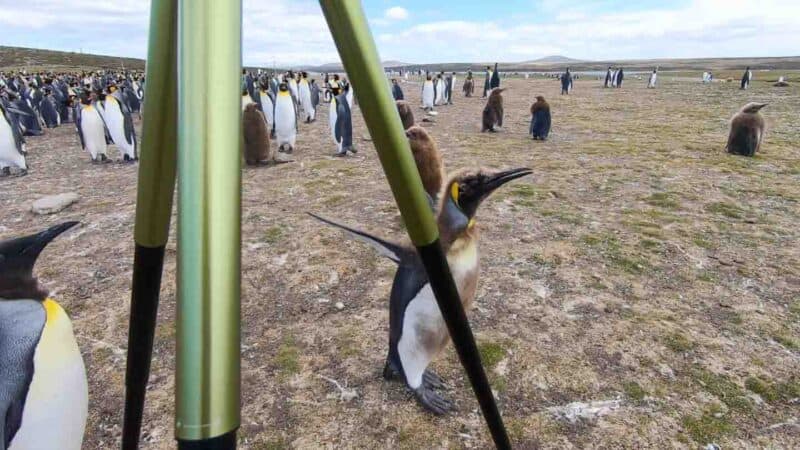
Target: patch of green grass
<point>491,354</point>
<point>288,356</point>
<point>794,308</point>
<point>707,276</point>
<point>634,391</point>
<point>786,341</point>
<point>708,427</point>
<point>273,234</point>
<point>679,343</point>
<point>766,390</point>
<point>631,265</point>
<point>665,200</point>
<point>726,209</point>
<point>335,200</point>
<point>704,243</point>
<point>723,388</point>
<point>649,244</point>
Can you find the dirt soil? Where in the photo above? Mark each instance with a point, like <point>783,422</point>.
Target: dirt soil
<point>640,263</point>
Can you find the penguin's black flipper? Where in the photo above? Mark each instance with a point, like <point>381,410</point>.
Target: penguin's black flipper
<point>21,325</point>
<point>395,252</point>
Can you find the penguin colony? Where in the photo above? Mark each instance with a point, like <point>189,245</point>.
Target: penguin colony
<point>43,388</point>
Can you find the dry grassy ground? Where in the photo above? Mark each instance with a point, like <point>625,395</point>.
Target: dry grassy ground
<point>639,263</point>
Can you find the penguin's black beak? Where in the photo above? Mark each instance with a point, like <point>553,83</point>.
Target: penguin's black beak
<point>473,190</point>
<point>19,255</point>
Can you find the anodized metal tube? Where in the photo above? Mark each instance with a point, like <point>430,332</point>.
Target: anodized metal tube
<point>156,185</point>
<point>209,223</point>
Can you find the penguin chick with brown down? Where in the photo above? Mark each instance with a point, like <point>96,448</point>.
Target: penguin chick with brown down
<point>406,115</point>
<point>540,119</point>
<point>417,331</point>
<point>493,112</point>
<point>747,130</point>
<point>428,160</point>
<point>256,136</point>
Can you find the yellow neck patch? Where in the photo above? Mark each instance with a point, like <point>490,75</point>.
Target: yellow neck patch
<point>454,192</point>
<point>52,309</point>
<point>283,93</point>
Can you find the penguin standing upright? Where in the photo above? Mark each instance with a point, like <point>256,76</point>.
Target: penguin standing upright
<point>304,95</point>
<point>540,119</point>
<point>406,115</point>
<point>614,78</point>
<point>427,94</point>
<point>746,77</point>
<point>651,83</point>
<point>292,83</point>
<point>12,142</point>
<point>285,119</point>
<point>118,119</point>
<point>314,97</point>
<point>256,136</point>
<point>487,83</point>
<point>747,130</point>
<point>451,86</point>
<point>439,88</point>
<point>492,118</point>
<point>397,92</point>
<point>417,331</point>
<point>47,108</point>
<point>495,81</point>
<point>469,85</point>
<point>620,78</point>
<point>44,395</point>
<point>608,78</point>
<point>91,129</point>
<point>341,124</point>
<point>566,82</point>
<point>428,160</point>
<point>267,105</point>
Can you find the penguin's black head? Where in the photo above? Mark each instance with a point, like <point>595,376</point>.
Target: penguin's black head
<point>465,191</point>
<point>17,258</point>
<point>283,87</point>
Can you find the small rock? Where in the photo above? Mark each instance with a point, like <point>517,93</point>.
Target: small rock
<point>712,446</point>
<point>54,203</point>
<point>281,157</point>
<point>323,300</point>
<point>339,306</point>
<point>755,398</point>
<point>333,279</point>
<point>576,411</point>
<point>666,371</point>
<point>541,290</point>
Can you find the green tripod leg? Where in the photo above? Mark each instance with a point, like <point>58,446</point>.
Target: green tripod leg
<point>153,207</point>
<point>357,49</point>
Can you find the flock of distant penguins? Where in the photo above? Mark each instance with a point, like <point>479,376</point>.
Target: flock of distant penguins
<point>43,384</point>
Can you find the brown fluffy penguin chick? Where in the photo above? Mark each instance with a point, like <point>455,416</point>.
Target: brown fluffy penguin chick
<point>428,159</point>
<point>747,130</point>
<point>493,112</point>
<point>256,137</point>
<point>539,104</point>
<point>406,115</point>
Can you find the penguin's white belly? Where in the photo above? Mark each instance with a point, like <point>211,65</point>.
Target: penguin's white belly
<point>9,156</point>
<point>246,100</point>
<point>439,93</point>
<point>56,407</point>
<point>285,131</point>
<point>266,105</point>
<point>427,95</point>
<point>332,116</point>
<point>305,99</point>
<point>349,96</point>
<point>94,136</point>
<point>116,127</point>
<point>424,331</point>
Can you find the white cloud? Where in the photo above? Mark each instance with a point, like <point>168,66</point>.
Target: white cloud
<point>294,32</point>
<point>396,13</point>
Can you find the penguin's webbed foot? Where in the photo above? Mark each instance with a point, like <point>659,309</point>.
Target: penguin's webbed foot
<point>432,401</point>
<point>433,381</point>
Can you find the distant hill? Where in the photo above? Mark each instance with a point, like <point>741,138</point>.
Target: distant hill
<point>553,59</point>
<point>337,67</point>
<point>37,59</point>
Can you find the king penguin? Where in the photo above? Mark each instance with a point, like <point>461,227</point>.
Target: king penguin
<point>44,394</point>
<point>12,143</point>
<point>341,124</point>
<point>285,119</point>
<point>267,105</point>
<point>417,331</point>
<point>118,119</point>
<point>746,78</point>
<point>91,129</point>
<point>492,119</point>
<point>304,94</point>
<point>651,83</point>
<point>427,94</point>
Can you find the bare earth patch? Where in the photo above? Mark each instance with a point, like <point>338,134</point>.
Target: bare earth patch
<point>640,265</point>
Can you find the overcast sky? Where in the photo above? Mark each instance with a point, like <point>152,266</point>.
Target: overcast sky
<point>293,32</point>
